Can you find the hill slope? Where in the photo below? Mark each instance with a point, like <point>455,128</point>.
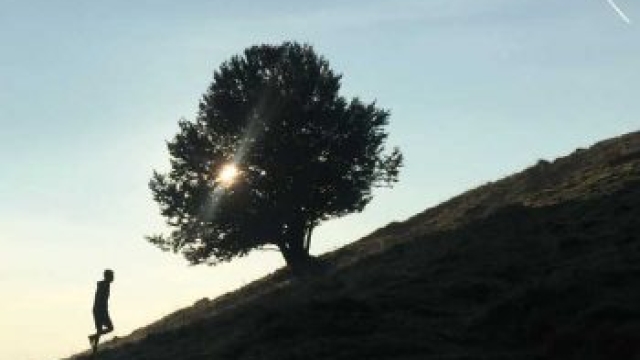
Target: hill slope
<point>542,264</point>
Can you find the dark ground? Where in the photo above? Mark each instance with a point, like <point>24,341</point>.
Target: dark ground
<point>544,264</point>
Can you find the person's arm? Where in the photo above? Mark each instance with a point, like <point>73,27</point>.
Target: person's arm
<point>102,293</point>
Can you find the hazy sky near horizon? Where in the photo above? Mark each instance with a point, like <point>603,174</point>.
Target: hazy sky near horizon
<point>92,90</point>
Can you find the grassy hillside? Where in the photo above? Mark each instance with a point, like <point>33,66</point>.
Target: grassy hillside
<point>542,264</point>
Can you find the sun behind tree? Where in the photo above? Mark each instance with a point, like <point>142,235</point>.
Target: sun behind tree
<point>307,155</point>
<point>228,174</point>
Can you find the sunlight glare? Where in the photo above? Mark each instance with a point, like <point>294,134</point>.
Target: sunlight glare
<point>228,174</point>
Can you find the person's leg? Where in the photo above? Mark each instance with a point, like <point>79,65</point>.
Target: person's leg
<point>106,324</point>
<point>103,326</point>
<point>93,339</point>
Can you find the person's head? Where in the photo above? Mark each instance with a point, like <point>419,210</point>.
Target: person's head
<point>108,275</point>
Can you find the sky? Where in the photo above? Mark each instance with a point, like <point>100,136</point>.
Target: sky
<point>91,91</point>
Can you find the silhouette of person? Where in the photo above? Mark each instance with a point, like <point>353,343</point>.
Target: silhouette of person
<point>101,309</point>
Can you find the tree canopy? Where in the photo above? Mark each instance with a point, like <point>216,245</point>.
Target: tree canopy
<point>273,151</point>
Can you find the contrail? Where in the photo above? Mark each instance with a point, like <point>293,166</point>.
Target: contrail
<point>619,11</point>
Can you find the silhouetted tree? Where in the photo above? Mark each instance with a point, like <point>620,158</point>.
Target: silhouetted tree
<point>304,154</point>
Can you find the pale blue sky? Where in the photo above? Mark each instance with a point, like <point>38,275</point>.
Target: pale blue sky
<point>91,91</point>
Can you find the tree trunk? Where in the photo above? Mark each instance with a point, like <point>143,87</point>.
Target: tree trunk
<point>296,257</point>
<point>295,250</point>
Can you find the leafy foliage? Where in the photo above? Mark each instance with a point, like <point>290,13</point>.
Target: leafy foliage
<point>305,154</point>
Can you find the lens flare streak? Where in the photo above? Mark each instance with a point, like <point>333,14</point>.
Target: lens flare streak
<point>621,13</point>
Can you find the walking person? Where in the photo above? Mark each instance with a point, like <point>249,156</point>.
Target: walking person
<point>101,310</point>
